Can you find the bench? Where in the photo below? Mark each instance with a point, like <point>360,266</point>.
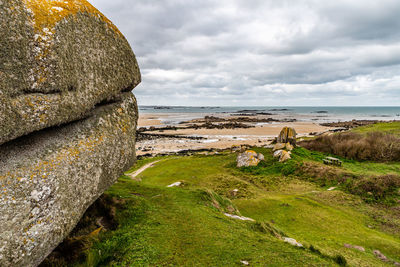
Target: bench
<point>332,161</point>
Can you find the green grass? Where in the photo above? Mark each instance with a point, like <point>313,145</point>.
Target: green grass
<point>386,127</point>
<point>185,226</point>
<point>180,227</point>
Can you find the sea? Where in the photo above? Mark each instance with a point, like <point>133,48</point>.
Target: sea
<point>301,113</point>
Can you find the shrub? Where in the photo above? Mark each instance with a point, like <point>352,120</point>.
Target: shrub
<point>383,188</point>
<point>339,259</point>
<point>378,187</point>
<point>374,146</point>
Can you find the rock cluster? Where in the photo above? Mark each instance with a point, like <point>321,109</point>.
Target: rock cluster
<point>67,120</point>
<point>285,144</point>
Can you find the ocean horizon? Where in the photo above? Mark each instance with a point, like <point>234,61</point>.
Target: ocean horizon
<point>301,113</point>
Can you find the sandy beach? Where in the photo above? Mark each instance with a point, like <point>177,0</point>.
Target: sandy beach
<point>252,131</point>
<point>149,120</point>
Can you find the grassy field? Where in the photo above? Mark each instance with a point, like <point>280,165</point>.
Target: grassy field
<point>186,226</point>
<point>322,207</point>
<point>392,128</point>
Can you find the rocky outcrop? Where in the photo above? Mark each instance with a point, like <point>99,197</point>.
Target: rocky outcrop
<point>50,178</point>
<point>287,135</point>
<point>67,120</point>
<point>59,59</point>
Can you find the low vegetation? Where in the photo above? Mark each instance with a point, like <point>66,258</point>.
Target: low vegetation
<point>362,144</point>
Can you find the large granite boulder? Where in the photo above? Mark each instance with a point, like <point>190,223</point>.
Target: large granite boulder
<point>59,59</point>
<point>287,135</point>
<point>67,120</point>
<point>48,179</point>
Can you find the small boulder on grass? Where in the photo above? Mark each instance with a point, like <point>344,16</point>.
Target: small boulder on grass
<point>249,158</point>
<point>278,153</point>
<point>279,146</point>
<point>285,156</point>
<point>292,242</point>
<point>177,184</point>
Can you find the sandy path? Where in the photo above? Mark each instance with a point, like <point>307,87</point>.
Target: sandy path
<point>142,169</point>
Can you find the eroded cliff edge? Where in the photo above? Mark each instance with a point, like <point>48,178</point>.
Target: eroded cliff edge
<point>67,120</point>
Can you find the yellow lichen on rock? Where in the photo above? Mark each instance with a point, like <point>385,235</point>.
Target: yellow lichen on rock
<point>45,16</point>
<point>287,135</point>
<point>46,13</point>
<point>249,158</point>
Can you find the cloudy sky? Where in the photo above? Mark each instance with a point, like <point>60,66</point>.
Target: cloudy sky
<point>263,52</point>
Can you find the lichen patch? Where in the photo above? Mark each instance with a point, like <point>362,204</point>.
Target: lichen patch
<point>45,15</point>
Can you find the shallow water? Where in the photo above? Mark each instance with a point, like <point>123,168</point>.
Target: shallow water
<point>316,114</point>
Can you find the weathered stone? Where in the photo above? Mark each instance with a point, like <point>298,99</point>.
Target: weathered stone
<point>355,247</point>
<point>278,146</point>
<point>247,159</point>
<point>287,135</point>
<point>292,242</point>
<point>380,255</point>
<point>285,156</point>
<point>49,178</point>
<point>289,147</point>
<point>59,59</point>
<point>278,153</point>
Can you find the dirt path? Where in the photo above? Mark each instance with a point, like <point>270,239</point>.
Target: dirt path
<point>142,169</point>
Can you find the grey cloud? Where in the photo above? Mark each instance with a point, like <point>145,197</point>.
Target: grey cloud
<point>262,52</point>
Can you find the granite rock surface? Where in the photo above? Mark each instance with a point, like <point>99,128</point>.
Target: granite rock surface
<point>48,179</point>
<point>67,120</point>
<point>59,59</point>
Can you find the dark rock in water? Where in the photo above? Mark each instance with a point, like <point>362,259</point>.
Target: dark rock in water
<point>51,177</point>
<point>162,107</point>
<point>67,120</point>
<point>264,113</point>
<point>321,112</point>
<point>279,109</point>
<point>249,111</point>
<point>58,61</point>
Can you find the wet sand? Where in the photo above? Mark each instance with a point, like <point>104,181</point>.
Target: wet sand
<point>265,130</point>
<point>149,120</point>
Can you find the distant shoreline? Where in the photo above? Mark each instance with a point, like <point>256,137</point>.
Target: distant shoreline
<point>177,114</point>
<point>166,132</point>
